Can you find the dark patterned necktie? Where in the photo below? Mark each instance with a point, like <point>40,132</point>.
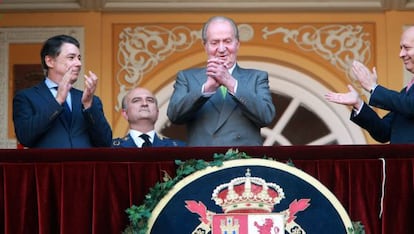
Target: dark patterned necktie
<point>147,142</point>
<point>67,112</point>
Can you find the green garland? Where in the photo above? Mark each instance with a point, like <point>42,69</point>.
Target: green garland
<point>139,215</point>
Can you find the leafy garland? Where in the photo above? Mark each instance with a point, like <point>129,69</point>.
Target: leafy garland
<point>139,215</point>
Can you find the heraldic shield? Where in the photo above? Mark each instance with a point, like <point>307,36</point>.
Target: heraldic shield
<point>249,196</point>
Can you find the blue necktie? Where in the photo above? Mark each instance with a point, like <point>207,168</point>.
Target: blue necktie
<point>67,112</point>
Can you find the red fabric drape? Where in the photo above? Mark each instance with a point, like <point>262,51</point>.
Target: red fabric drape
<point>399,196</point>
<point>87,191</point>
<point>355,183</point>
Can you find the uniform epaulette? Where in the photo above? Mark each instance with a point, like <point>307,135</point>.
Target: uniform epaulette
<point>162,137</point>
<point>117,141</point>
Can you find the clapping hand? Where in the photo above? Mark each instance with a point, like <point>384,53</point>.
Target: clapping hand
<point>64,86</point>
<point>367,79</point>
<point>350,98</point>
<point>217,75</point>
<point>90,86</point>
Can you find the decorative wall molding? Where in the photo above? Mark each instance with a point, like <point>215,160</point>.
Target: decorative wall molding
<point>205,5</point>
<point>22,5</point>
<point>22,36</point>
<point>337,44</point>
<point>142,48</point>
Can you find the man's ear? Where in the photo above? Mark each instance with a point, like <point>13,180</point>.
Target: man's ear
<point>124,114</point>
<point>158,112</point>
<point>50,61</point>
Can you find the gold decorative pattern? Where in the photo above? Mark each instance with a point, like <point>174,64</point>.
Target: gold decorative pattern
<point>338,44</point>
<point>142,48</point>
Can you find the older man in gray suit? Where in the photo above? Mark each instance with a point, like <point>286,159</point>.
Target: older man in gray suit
<point>222,104</point>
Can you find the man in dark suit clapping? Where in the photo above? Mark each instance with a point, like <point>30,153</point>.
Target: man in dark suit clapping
<point>397,126</point>
<point>53,114</point>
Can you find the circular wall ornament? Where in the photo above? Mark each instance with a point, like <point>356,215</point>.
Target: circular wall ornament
<point>246,32</point>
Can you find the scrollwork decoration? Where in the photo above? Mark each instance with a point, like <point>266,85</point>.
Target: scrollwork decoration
<point>338,44</point>
<point>142,48</point>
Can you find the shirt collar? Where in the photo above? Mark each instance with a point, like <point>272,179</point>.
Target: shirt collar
<point>135,134</point>
<point>232,68</point>
<point>50,84</point>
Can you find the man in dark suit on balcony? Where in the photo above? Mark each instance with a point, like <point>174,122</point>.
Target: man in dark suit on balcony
<point>53,114</point>
<point>397,126</point>
<point>140,109</point>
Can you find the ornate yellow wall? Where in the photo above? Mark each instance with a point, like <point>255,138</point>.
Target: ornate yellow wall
<point>103,30</point>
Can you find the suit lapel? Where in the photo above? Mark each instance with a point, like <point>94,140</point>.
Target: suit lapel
<point>201,77</point>
<point>217,101</point>
<point>44,92</point>
<point>227,108</point>
<point>228,104</point>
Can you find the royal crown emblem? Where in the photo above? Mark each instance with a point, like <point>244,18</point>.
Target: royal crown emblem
<point>230,200</point>
<point>248,195</point>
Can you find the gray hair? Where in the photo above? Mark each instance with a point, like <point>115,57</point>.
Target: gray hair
<point>124,103</point>
<point>215,19</point>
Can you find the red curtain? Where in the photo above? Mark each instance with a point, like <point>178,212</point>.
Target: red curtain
<point>87,191</point>
<point>74,197</point>
<point>355,183</point>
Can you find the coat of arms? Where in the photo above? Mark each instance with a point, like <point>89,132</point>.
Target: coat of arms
<point>248,203</point>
